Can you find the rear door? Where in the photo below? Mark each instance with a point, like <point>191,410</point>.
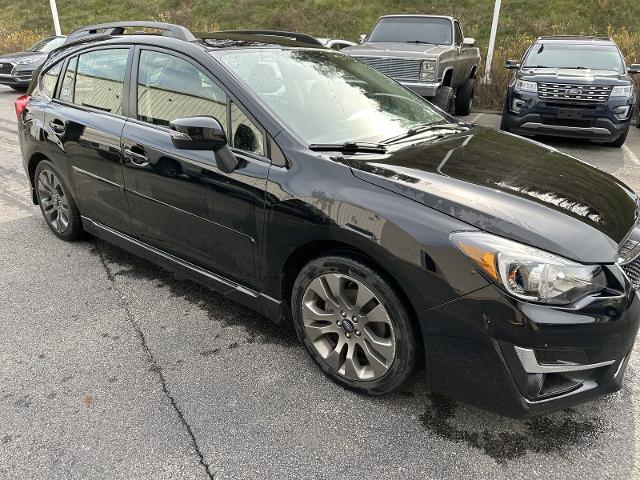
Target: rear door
<point>84,123</point>
<point>180,201</point>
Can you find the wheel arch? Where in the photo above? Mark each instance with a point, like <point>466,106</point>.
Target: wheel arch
<point>34,160</point>
<point>321,248</point>
<point>447,77</point>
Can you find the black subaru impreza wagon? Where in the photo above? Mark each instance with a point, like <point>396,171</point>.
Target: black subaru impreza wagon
<point>310,187</point>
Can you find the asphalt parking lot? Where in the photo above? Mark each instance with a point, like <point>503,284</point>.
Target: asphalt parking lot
<point>113,368</point>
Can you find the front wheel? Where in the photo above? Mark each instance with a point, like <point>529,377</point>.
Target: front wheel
<point>464,97</point>
<point>443,98</point>
<point>354,325</point>
<point>619,142</point>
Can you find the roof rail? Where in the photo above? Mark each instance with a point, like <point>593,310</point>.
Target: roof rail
<point>117,28</point>
<point>573,37</point>
<point>298,37</point>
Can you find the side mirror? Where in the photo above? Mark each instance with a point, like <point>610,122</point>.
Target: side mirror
<point>468,42</point>
<point>204,133</point>
<point>362,38</point>
<point>512,64</point>
<point>633,68</point>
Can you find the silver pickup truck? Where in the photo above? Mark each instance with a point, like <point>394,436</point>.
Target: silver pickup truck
<point>425,53</point>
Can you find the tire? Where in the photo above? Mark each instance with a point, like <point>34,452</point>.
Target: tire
<point>362,337</point>
<point>56,203</point>
<point>619,142</point>
<point>443,98</point>
<point>504,126</point>
<point>464,97</point>
<point>19,88</point>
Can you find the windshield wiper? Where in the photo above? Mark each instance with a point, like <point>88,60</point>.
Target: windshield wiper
<point>349,147</point>
<point>426,128</point>
<point>420,41</point>
<point>537,66</point>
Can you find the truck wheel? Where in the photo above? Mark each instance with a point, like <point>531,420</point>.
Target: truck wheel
<point>618,142</point>
<point>443,98</point>
<point>464,97</point>
<point>504,126</point>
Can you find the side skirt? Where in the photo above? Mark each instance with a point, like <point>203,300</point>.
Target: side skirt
<point>259,302</point>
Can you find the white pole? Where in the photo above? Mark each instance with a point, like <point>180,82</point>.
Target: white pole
<point>492,42</point>
<point>56,20</point>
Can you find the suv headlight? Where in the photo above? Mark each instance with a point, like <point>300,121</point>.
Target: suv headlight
<point>528,273</point>
<point>26,61</point>
<point>622,91</point>
<point>428,70</point>
<point>526,86</point>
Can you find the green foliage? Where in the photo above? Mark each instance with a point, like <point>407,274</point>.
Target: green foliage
<point>520,20</point>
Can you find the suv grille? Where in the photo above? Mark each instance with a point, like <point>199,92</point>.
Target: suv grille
<point>633,272</point>
<point>580,93</point>
<point>6,68</point>
<point>397,68</point>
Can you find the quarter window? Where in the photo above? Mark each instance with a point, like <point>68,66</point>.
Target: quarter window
<point>66,90</point>
<point>245,135</point>
<point>100,78</point>
<point>50,79</point>
<point>170,87</point>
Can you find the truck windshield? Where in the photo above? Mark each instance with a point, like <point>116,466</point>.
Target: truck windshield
<point>47,44</point>
<point>327,97</point>
<point>436,31</point>
<point>555,55</point>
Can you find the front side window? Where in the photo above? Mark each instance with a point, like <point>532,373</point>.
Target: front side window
<point>100,79</point>
<point>558,55</point>
<point>245,135</point>
<point>435,31</point>
<point>170,87</point>
<point>50,80</point>
<point>328,97</point>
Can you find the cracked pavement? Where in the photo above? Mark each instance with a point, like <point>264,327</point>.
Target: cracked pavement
<point>113,368</point>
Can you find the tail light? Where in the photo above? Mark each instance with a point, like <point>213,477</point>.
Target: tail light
<point>21,104</point>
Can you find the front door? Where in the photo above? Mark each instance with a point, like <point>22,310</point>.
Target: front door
<point>180,201</point>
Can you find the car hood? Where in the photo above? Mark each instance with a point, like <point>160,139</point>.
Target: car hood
<point>14,57</point>
<point>511,187</point>
<point>391,49</point>
<point>572,75</point>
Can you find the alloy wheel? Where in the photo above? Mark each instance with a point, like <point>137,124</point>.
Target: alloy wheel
<point>53,199</point>
<point>348,326</point>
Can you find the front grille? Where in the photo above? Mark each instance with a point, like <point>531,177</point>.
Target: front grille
<point>396,68</point>
<point>6,68</point>
<point>633,272</point>
<point>579,93</point>
<point>569,122</point>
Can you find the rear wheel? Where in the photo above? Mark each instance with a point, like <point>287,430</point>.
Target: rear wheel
<point>56,203</point>
<point>464,97</point>
<point>354,325</point>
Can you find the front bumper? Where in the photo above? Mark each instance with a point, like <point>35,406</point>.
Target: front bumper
<point>474,351</point>
<point>20,76</point>
<point>595,122</point>
<point>424,89</point>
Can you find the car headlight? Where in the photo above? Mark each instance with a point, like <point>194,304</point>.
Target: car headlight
<point>622,91</point>
<point>428,70</point>
<point>528,273</point>
<point>526,86</point>
<point>26,61</point>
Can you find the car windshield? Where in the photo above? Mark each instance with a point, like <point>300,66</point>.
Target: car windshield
<point>47,44</point>
<point>329,97</point>
<point>555,55</point>
<point>437,31</point>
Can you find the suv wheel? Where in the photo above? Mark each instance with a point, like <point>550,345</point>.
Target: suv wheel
<point>618,142</point>
<point>56,203</point>
<point>354,325</point>
<point>464,97</point>
<point>443,98</point>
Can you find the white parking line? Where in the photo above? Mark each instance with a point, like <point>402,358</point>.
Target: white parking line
<point>634,158</point>
<point>476,118</point>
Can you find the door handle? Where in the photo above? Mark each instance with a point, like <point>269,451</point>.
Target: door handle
<point>137,159</point>
<point>57,126</point>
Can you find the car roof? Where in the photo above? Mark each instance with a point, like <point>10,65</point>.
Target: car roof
<point>420,15</point>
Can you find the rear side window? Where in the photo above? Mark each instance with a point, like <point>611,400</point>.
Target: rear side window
<point>50,80</point>
<point>100,78</point>
<point>68,79</point>
<point>170,87</point>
